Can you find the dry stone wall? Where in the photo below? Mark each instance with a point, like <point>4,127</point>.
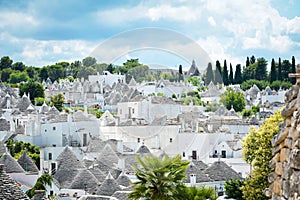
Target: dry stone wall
<point>285,180</point>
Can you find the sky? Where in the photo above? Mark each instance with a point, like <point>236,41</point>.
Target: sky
<point>168,32</point>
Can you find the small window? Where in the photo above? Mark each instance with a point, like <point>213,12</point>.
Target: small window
<point>45,130</point>
<point>183,154</point>
<point>50,156</point>
<point>171,140</point>
<point>132,110</point>
<point>139,140</point>
<point>54,128</point>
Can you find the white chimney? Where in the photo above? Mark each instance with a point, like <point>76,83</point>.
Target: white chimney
<point>193,179</point>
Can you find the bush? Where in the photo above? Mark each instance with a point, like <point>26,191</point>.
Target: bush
<point>246,113</point>
<point>232,189</point>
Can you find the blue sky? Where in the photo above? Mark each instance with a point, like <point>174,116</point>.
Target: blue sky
<point>44,32</point>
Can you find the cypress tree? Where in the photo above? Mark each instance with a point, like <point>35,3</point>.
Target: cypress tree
<point>180,73</point>
<point>238,79</point>
<point>252,59</point>
<point>218,73</point>
<point>273,71</point>
<point>225,74</point>
<point>247,62</point>
<point>293,70</point>
<point>230,75</point>
<point>180,69</point>
<point>279,75</point>
<point>261,69</point>
<point>209,74</point>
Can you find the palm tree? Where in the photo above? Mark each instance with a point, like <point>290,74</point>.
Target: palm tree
<point>40,184</point>
<point>198,193</point>
<point>159,178</point>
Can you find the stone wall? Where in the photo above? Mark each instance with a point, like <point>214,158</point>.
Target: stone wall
<point>285,180</point>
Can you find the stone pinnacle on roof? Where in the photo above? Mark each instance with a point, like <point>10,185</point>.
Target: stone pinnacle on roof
<point>9,188</point>
<point>10,164</point>
<point>109,186</point>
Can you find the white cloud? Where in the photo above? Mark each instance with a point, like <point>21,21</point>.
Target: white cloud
<point>41,52</point>
<point>211,21</point>
<point>17,19</point>
<point>181,13</point>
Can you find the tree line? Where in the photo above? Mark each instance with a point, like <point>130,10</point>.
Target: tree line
<point>254,69</point>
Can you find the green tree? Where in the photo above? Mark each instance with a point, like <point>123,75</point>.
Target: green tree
<point>279,70</point>
<point>252,59</point>
<point>5,62</point>
<point>30,71</point>
<point>209,74</point>
<point>199,193</point>
<point>238,79</point>
<point>285,70</point>
<point>18,77</point>
<point>56,72</point>
<point>257,150</point>
<point>273,71</point>
<point>159,178</point>
<point>218,73</point>
<point>40,184</point>
<point>233,189</point>
<point>261,69</point>
<point>230,75</point>
<point>58,101</point>
<point>89,61</point>
<point>194,80</point>
<point>247,62</point>
<point>225,74</point>
<point>110,68</point>
<point>84,72</point>
<point>180,73</point>
<point>249,83</point>
<point>18,66</point>
<point>33,88</point>
<point>230,99</point>
<point>43,74</point>
<point>293,70</point>
<point>5,74</point>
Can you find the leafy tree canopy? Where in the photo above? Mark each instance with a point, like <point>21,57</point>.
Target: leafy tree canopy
<point>230,99</point>
<point>33,88</point>
<point>257,150</point>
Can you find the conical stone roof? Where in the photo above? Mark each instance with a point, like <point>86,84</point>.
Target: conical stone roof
<point>109,186</point>
<point>8,187</point>
<point>10,164</point>
<point>27,163</point>
<point>85,180</point>
<point>220,171</point>
<point>143,150</point>
<point>123,180</point>
<point>68,166</point>
<point>108,156</point>
<point>98,174</point>
<point>194,170</point>
<point>68,159</point>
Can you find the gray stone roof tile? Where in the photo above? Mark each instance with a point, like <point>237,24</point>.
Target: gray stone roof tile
<point>220,171</point>
<point>10,164</point>
<point>27,163</point>
<point>8,187</point>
